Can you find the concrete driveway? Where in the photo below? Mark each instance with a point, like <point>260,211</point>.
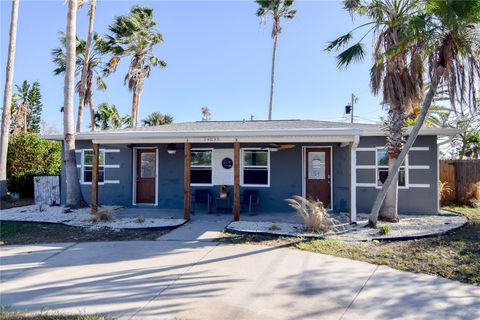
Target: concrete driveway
<point>181,279</point>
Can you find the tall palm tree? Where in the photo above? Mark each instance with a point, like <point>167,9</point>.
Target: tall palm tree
<point>439,36</point>
<point>74,193</point>
<point>278,9</point>
<point>157,119</point>
<point>135,35</point>
<point>7,98</point>
<point>400,76</point>
<point>92,70</point>
<point>85,85</point>
<point>107,117</point>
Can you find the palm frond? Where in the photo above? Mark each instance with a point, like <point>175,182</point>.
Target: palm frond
<point>339,42</point>
<point>355,53</point>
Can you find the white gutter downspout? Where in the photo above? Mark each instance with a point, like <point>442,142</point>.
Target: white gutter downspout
<point>353,179</point>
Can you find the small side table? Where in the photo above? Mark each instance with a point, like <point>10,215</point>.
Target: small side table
<point>222,204</point>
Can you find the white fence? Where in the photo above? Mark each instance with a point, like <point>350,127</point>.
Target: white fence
<point>47,190</point>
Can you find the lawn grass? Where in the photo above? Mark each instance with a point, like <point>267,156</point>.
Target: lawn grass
<point>6,314</point>
<point>455,255</point>
<point>13,232</point>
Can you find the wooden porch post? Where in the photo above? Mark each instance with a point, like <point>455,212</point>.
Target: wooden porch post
<point>186,186</point>
<point>236,181</point>
<point>95,161</point>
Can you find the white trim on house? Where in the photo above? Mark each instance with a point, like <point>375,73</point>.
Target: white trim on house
<point>353,179</point>
<point>370,167</point>
<point>134,176</point>
<point>419,185</point>
<point>373,149</point>
<point>242,167</point>
<point>419,149</point>
<point>418,167</point>
<point>366,185</point>
<point>304,172</point>
<point>324,134</point>
<point>438,179</point>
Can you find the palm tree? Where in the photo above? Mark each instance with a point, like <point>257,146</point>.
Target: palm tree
<point>26,108</point>
<point>92,69</point>
<point>135,35</point>
<point>85,85</point>
<point>74,194</point>
<point>206,115</point>
<point>278,9</point>
<point>410,37</point>
<point>7,98</point>
<point>400,77</point>
<point>107,117</point>
<point>157,119</point>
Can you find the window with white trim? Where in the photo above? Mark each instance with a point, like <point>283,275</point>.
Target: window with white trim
<point>201,167</point>
<point>255,167</point>
<point>381,159</point>
<point>87,161</point>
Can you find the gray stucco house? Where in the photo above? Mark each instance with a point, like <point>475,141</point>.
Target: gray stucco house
<point>341,164</point>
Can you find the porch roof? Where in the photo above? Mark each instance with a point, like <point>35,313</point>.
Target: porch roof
<point>244,131</point>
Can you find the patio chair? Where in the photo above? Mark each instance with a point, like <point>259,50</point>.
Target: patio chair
<point>250,198</point>
<point>202,196</point>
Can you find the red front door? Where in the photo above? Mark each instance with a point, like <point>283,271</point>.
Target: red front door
<point>146,174</point>
<point>318,175</point>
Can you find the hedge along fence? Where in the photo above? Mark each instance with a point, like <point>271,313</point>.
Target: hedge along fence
<point>30,156</point>
<point>462,177</point>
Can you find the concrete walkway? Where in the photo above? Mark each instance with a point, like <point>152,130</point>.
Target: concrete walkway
<point>205,280</point>
<point>201,227</point>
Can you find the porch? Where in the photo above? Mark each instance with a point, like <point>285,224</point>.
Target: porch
<point>272,171</point>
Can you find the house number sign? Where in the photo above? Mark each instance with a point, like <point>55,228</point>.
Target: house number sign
<point>211,139</point>
<point>227,163</point>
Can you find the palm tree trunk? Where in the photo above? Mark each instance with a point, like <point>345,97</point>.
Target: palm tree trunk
<point>74,193</point>
<point>438,73</point>
<point>92,111</point>
<point>83,89</point>
<point>81,104</point>
<point>389,210</point>
<point>135,100</point>
<point>7,98</point>
<point>272,79</point>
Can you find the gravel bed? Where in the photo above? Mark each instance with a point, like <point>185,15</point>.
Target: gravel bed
<point>409,227</point>
<point>83,218</point>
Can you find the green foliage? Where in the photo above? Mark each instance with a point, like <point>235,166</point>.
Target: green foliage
<point>134,35</point>
<point>107,117</point>
<point>157,119</point>
<point>472,145</point>
<point>28,97</point>
<point>30,156</point>
<point>385,229</point>
<point>277,9</point>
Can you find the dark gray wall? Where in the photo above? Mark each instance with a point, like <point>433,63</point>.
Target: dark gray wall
<point>119,194</point>
<point>412,200</point>
<point>285,177</point>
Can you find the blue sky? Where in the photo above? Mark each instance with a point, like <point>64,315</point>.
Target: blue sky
<point>218,56</point>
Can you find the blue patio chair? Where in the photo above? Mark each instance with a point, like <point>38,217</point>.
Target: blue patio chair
<point>202,196</point>
<point>250,198</point>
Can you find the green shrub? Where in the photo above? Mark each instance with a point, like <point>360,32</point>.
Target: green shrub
<point>385,229</point>
<point>30,156</point>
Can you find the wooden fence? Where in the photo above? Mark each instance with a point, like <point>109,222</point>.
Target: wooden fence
<point>459,176</point>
